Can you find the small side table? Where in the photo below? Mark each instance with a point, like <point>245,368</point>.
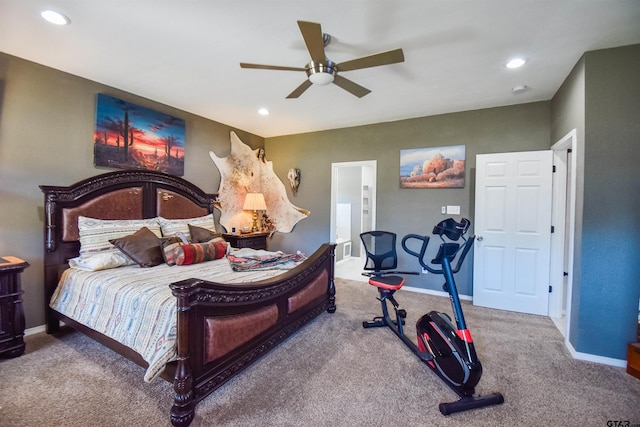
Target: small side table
<point>247,240</point>
<point>11,310</point>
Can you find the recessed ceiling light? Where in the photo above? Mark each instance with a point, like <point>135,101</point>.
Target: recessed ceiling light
<point>519,89</point>
<point>263,112</point>
<point>516,63</point>
<point>55,17</point>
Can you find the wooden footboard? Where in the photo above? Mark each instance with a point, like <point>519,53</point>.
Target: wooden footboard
<point>223,328</point>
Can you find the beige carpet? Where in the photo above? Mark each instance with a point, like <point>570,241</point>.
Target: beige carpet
<point>331,373</point>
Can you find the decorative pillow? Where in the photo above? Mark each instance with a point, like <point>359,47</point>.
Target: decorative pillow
<point>194,253</point>
<point>143,247</point>
<point>201,235</point>
<point>169,245</point>
<point>171,227</point>
<point>101,261</point>
<point>96,233</point>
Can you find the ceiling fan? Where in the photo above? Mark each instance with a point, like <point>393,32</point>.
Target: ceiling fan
<point>322,71</point>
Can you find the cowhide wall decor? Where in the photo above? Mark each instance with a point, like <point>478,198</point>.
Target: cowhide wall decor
<point>247,171</point>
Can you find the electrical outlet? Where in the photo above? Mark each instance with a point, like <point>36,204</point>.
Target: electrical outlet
<point>453,210</point>
<point>444,210</point>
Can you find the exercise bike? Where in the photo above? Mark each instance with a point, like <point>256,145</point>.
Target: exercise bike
<point>446,348</point>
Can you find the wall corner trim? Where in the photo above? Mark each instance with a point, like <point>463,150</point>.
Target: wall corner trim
<point>594,357</point>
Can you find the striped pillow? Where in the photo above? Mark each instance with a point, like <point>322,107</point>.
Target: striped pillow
<point>195,253</point>
<point>96,233</point>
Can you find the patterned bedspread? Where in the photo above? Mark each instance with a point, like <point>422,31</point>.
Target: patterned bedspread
<point>135,306</point>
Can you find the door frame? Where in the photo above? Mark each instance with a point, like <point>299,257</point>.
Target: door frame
<point>562,250</point>
<point>335,167</point>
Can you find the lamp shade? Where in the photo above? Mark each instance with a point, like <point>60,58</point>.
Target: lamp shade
<point>254,202</point>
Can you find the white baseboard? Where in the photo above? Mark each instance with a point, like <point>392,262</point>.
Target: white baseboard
<point>35,330</point>
<point>595,358</point>
<point>434,292</point>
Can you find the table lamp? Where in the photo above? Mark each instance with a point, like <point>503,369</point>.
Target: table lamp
<point>254,202</point>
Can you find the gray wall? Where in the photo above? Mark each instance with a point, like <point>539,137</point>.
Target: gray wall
<point>515,128</point>
<point>605,90</point>
<point>567,113</point>
<point>47,120</point>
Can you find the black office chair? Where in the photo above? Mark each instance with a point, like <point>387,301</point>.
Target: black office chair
<point>382,259</point>
<point>380,265</point>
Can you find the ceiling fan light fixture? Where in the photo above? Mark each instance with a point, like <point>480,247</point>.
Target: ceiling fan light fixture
<point>321,78</point>
<point>321,71</point>
<point>321,74</point>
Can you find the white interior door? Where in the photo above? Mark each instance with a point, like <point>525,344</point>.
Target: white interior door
<point>513,231</point>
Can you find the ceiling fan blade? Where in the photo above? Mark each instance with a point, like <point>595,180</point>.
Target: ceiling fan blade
<point>350,86</point>
<point>271,67</point>
<point>300,89</point>
<point>384,58</point>
<point>312,34</point>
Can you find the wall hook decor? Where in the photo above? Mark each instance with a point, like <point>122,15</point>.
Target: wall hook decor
<point>294,179</point>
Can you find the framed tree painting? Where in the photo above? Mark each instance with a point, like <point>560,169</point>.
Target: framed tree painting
<point>129,136</point>
<point>439,167</point>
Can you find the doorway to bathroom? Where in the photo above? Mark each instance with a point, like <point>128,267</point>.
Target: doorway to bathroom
<point>353,211</point>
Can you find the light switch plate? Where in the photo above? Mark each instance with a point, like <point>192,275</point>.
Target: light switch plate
<point>453,210</point>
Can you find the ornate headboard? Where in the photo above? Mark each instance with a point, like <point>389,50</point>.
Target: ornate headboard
<point>131,194</point>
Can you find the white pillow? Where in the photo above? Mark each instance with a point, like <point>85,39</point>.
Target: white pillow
<point>175,227</point>
<point>101,261</point>
<point>96,233</point>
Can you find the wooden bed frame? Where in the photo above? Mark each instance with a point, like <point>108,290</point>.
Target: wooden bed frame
<point>217,324</point>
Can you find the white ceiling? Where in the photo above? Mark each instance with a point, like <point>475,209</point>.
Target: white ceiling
<point>186,53</point>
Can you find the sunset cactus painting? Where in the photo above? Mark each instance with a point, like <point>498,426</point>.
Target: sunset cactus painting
<point>128,136</point>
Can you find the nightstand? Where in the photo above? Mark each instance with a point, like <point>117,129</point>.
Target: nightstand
<point>247,240</point>
<point>11,310</point>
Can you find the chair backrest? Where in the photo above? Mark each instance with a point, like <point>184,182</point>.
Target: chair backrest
<point>380,247</point>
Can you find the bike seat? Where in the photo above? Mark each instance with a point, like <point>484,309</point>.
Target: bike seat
<point>452,229</point>
<point>392,283</point>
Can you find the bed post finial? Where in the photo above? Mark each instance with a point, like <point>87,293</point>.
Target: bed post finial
<point>50,226</point>
<point>183,409</point>
<point>332,286</point>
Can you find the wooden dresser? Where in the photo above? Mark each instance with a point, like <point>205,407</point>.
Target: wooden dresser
<point>11,310</point>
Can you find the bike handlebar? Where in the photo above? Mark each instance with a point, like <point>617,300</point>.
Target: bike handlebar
<point>425,241</point>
